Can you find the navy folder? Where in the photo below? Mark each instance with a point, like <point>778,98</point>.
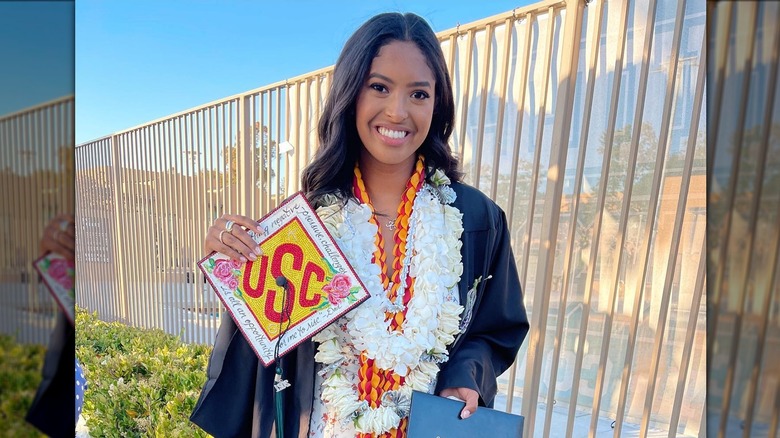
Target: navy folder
<point>432,416</point>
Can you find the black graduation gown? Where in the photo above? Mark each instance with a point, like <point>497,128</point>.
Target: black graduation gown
<point>52,410</point>
<point>237,399</point>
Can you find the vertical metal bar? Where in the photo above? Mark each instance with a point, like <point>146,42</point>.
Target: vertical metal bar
<point>270,147</point>
<point>503,87</point>
<point>118,273</point>
<point>171,224</point>
<point>12,201</point>
<point>217,198</point>
<point>9,204</point>
<point>88,171</point>
<point>208,134</point>
<point>528,233</point>
<point>318,105</point>
<point>553,194</point>
<point>713,312</point>
<point>306,119</point>
<point>189,238</point>
<point>175,144</point>
<point>245,156</point>
<point>146,247</point>
<point>155,191</point>
<point>294,129</point>
<point>131,220</point>
<point>718,10</point>
<point>600,202</point>
<point>279,138</point>
<point>192,219</point>
<point>483,88</point>
<point>94,196</point>
<point>262,155</point>
<point>18,226</point>
<point>568,258</point>
<point>201,226</point>
<point>161,214</point>
<point>184,236</point>
<point>151,250</point>
<point>451,55</point>
<point>88,197</point>
<point>93,159</point>
<point>214,209</point>
<point>33,202</point>
<point>85,201</point>
<point>289,135</point>
<point>464,99</point>
<point>228,183</point>
<point>24,226</point>
<point>135,216</point>
<point>102,151</point>
<point>514,171</point>
<point>773,425</point>
<point>121,248</point>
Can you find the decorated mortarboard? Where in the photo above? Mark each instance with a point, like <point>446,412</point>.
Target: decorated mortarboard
<point>58,274</point>
<point>299,284</point>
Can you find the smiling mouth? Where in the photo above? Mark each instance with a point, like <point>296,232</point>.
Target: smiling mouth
<point>392,134</point>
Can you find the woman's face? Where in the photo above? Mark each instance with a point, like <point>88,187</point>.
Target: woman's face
<point>395,106</point>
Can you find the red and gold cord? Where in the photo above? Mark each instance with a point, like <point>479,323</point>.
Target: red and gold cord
<point>373,381</point>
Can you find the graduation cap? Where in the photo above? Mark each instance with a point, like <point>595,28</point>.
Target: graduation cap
<point>299,285</point>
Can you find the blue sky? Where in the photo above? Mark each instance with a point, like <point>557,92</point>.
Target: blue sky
<point>144,59</point>
<point>36,53</point>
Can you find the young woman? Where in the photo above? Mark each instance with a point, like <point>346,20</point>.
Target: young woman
<point>446,312</point>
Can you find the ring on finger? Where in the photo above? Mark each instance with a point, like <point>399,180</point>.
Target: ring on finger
<point>229,226</point>
<point>64,225</point>
<point>220,236</point>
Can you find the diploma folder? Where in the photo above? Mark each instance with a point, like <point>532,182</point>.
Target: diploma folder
<point>438,417</point>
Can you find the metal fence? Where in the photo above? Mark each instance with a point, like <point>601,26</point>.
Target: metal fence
<point>583,122</point>
<point>744,215</point>
<point>36,175</point>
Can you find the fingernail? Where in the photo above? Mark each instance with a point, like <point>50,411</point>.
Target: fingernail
<point>243,259</point>
<point>252,256</point>
<point>465,414</point>
<point>258,251</point>
<point>259,229</point>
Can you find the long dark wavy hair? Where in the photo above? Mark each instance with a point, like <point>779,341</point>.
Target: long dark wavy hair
<point>331,170</point>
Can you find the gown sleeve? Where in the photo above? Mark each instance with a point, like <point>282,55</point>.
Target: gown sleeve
<point>54,403</point>
<point>499,324</point>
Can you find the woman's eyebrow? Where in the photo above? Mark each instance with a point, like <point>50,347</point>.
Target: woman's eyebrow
<point>391,82</point>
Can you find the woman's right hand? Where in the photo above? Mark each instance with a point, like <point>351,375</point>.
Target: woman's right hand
<point>236,243</point>
<point>59,237</point>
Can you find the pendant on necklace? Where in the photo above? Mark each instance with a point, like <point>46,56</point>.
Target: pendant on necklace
<point>390,225</point>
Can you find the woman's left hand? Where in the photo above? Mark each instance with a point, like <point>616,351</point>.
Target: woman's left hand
<point>468,395</point>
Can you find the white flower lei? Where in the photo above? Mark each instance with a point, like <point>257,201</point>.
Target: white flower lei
<point>431,322</point>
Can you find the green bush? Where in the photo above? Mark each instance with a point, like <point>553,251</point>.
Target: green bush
<point>139,382</point>
<point>20,375</point>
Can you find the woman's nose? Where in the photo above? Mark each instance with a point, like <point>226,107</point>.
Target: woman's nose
<point>396,108</point>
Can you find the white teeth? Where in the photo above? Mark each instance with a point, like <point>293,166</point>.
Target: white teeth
<point>392,134</point>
